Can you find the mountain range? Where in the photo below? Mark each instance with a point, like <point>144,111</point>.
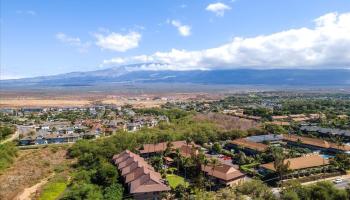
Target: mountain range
<point>123,74</point>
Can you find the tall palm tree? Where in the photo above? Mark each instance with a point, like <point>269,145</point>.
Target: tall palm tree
<point>168,149</point>
<point>188,141</point>
<point>186,162</point>
<point>214,162</point>
<point>279,163</point>
<point>178,159</point>
<point>339,142</point>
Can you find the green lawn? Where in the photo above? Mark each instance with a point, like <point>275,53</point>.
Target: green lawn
<point>53,190</point>
<point>175,180</point>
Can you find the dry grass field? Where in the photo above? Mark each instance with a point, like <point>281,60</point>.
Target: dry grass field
<point>30,167</point>
<point>16,103</point>
<point>41,100</point>
<point>227,122</point>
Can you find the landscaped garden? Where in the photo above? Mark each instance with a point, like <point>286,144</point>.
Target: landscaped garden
<point>175,180</point>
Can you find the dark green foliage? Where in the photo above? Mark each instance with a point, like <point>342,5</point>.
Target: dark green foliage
<point>113,192</point>
<point>156,162</point>
<point>106,175</point>
<point>275,129</point>
<point>318,191</point>
<point>5,131</point>
<point>84,191</point>
<point>216,147</point>
<point>341,161</point>
<point>256,190</point>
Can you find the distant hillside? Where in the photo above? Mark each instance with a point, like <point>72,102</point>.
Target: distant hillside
<point>272,77</point>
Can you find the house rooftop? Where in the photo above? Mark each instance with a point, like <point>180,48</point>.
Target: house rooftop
<point>250,145</point>
<point>308,161</point>
<point>315,142</point>
<point>138,174</point>
<point>223,171</point>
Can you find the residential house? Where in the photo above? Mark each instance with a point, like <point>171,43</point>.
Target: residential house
<point>247,146</point>
<point>224,174</point>
<point>330,132</point>
<point>315,144</point>
<point>140,178</point>
<point>301,165</point>
<point>132,127</point>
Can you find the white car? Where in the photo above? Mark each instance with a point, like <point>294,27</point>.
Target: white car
<point>338,180</point>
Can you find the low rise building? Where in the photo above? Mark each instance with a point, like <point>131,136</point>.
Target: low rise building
<point>224,174</point>
<point>247,146</point>
<point>140,178</point>
<point>300,165</point>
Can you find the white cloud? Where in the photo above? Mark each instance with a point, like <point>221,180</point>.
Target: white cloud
<point>218,8</point>
<point>73,41</point>
<point>326,45</point>
<point>118,42</point>
<point>26,12</point>
<point>183,6</point>
<point>184,30</point>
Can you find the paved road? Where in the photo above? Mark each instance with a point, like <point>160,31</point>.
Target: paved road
<point>343,184</point>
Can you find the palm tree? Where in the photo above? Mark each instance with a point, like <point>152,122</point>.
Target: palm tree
<point>178,159</point>
<point>279,163</point>
<point>186,162</point>
<point>168,148</point>
<point>188,141</point>
<point>214,163</point>
<point>339,142</point>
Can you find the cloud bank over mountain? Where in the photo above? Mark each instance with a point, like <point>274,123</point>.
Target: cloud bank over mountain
<point>325,45</point>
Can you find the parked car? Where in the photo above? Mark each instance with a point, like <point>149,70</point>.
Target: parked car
<point>338,180</point>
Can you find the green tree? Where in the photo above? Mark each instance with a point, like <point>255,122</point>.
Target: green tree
<point>113,192</point>
<point>106,174</point>
<point>84,192</point>
<point>279,163</point>
<point>217,147</point>
<point>256,190</point>
<point>341,161</point>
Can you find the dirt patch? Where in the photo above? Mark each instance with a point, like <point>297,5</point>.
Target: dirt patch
<point>28,192</point>
<point>227,122</point>
<point>16,103</point>
<point>31,167</point>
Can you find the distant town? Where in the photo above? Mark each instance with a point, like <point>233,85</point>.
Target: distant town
<point>265,139</point>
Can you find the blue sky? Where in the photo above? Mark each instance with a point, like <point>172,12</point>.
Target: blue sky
<point>50,37</point>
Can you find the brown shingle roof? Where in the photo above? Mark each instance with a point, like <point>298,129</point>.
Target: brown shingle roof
<point>304,162</point>
<point>136,173</point>
<point>280,117</point>
<point>139,175</point>
<point>147,183</point>
<point>188,150</point>
<point>250,145</point>
<point>130,168</point>
<point>223,171</point>
<point>315,142</point>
